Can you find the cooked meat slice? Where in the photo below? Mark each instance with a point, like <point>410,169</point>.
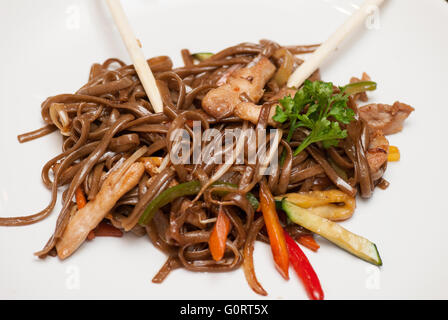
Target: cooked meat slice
<point>220,102</point>
<point>283,92</point>
<point>377,153</point>
<point>387,118</point>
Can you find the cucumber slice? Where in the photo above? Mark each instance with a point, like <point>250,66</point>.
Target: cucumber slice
<point>356,245</point>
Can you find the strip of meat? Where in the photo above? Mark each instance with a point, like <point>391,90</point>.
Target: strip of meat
<point>220,102</point>
<point>283,92</point>
<point>377,154</point>
<point>251,112</point>
<point>387,118</point>
<point>87,218</point>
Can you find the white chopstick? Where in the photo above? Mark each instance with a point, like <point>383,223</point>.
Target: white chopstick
<point>141,65</point>
<point>316,59</point>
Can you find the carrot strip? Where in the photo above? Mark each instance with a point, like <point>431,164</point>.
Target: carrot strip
<point>309,242</point>
<point>80,198</point>
<point>275,230</point>
<point>91,235</point>
<point>218,238</point>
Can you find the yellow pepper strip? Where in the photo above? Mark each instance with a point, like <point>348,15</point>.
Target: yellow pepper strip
<point>394,154</point>
<point>334,205</point>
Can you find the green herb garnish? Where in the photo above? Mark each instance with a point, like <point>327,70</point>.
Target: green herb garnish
<point>318,109</point>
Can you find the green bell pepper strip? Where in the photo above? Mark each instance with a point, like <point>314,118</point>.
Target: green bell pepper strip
<point>184,189</point>
<point>202,56</point>
<point>357,87</point>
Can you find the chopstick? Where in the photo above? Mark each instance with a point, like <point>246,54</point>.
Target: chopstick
<point>316,59</point>
<point>132,45</point>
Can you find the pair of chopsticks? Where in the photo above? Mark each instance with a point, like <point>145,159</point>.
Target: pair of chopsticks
<point>296,80</point>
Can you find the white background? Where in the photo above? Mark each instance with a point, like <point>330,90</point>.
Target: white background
<point>47,48</point>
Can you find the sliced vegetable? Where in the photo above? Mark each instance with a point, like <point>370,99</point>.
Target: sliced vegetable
<point>358,87</point>
<point>218,237</point>
<point>286,67</point>
<point>104,229</point>
<point>334,205</point>
<point>304,269</point>
<point>394,154</point>
<point>184,189</point>
<point>275,230</point>
<point>167,196</point>
<point>357,245</point>
<point>202,56</point>
<point>253,200</point>
<point>81,200</point>
<point>309,242</point>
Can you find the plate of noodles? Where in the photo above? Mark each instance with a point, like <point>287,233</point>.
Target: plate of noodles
<point>242,187</point>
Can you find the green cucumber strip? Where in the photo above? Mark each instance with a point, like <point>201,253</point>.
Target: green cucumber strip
<point>356,245</point>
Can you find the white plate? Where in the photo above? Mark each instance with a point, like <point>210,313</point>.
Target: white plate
<point>48,47</point>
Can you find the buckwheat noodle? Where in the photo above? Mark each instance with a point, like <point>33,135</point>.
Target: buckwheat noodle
<point>110,117</point>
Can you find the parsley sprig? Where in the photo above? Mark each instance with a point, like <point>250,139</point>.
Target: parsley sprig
<point>316,108</point>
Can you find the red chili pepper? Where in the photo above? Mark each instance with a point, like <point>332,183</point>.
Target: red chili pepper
<point>304,269</point>
<point>105,229</point>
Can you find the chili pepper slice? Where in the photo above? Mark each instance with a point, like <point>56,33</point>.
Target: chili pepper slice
<point>304,269</point>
